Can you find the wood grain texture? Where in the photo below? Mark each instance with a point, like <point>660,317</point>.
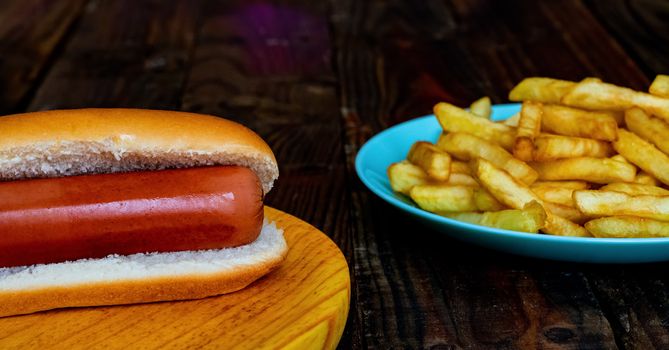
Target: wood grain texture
<point>641,27</point>
<point>30,32</point>
<point>395,60</point>
<point>303,304</point>
<point>124,53</point>
<point>317,79</point>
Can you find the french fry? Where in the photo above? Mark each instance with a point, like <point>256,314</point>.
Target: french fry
<point>627,227</point>
<point>660,86</point>
<point>459,167</point>
<point>545,90</point>
<point>551,147</point>
<point>529,126</point>
<point>555,195</point>
<point>529,219</point>
<point>471,217</point>
<point>597,95</point>
<point>567,212</point>
<point>404,176</point>
<point>455,119</point>
<point>642,154</point>
<point>485,201</point>
<point>461,180</point>
<point>512,120</point>
<point>481,107</point>
<point>435,162</point>
<point>635,189</point>
<point>559,226</point>
<point>597,170</point>
<point>437,198</point>
<point>610,203</point>
<point>466,147</point>
<point>574,185</point>
<point>577,122</point>
<point>644,178</point>
<point>507,189</point>
<point>619,158</point>
<point>653,130</point>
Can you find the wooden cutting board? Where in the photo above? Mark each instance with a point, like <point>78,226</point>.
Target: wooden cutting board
<point>302,305</point>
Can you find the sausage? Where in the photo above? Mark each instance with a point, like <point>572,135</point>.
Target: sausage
<point>92,216</point>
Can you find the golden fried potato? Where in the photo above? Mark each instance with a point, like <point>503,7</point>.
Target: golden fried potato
<point>660,86</point>
<point>597,95</point>
<point>559,226</point>
<point>635,189</point>
<point>512,120</point>
<point>528,129</point>
<point>577,122</point>
<point>619,158</point>
<point>435,162</point>
<point>627,227</point>
<point>555,195</point>
<point>404,176</point>
<point>459,167</point>
<point>508,190</point>
<point>597,170</point>
<point>642,154</point>
<point>485,201</point>
<point>574,185</point>
<point>610,203</point>
<point>465,146</point>
<point>644,178</point>
<point>455,119</point>
<point>545,90</point>
<point>462,179</point>
<point>529,219</point>
<point>567,212</point>
<point>440,198</point>
<point>552,147</point>
<point>471,217</point>
<point>653,130</point>
<point>482,107</point>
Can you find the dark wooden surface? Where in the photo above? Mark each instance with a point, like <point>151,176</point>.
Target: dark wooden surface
<point>317,79</point>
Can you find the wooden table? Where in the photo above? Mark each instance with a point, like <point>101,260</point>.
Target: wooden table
<point>316,81</point>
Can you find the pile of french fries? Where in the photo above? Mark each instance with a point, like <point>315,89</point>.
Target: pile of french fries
<point>584,159</point>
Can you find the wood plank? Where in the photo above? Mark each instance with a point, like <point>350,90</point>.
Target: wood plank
<point>30,32</point>
<point>394,61</point>
<point>641,28</point>
<point>123,54</point>
<point>268,66</point>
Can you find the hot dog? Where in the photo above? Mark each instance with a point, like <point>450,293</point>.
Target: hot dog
<point>119,206</point>
<point>92,216</point>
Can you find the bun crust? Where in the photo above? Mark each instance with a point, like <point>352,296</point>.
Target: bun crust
<point>86,141</point>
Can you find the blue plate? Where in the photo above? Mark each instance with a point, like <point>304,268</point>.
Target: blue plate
<point>392,145</point>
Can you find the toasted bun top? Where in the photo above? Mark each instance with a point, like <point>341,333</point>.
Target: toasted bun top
<point>91,141</point>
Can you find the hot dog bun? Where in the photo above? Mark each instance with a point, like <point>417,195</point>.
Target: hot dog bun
<point>97,141</point>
